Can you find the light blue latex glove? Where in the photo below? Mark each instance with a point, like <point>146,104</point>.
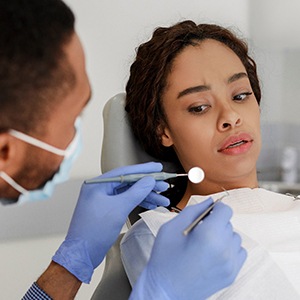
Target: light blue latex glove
<point>195,266</point>
<point>100,215</point>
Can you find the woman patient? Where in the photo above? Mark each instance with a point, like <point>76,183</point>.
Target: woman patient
<point>193,98</point>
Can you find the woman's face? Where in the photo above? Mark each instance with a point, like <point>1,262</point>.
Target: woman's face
<point>213,118</point>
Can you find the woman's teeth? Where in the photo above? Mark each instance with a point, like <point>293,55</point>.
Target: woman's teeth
<point>237,144</point>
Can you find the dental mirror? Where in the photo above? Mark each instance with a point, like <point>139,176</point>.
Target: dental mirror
<point>196,175</point>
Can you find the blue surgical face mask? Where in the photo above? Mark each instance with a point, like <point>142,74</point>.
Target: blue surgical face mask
<point>70,154</point>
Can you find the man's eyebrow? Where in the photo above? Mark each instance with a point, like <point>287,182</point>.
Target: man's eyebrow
<point>237,76</point>
<point>194,89</point>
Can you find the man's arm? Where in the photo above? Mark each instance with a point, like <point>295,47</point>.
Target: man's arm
<point>55,283</point>
<point>59,283</point>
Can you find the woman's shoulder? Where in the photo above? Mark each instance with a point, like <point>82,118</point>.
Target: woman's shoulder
<point>138,229</point>
<point>145,229</point>
<point>139,236</point>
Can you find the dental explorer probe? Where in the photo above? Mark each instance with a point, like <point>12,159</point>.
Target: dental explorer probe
<point>203,215</point>
<point>195,175</point>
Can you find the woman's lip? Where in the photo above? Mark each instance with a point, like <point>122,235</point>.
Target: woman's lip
<point>235,141</point>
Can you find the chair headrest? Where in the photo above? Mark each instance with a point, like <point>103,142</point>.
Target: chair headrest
<point>120,147</point>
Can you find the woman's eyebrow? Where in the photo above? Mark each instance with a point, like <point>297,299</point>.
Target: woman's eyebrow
<point>237,76</point>
<point>194,89</point>
<point>202,88</point>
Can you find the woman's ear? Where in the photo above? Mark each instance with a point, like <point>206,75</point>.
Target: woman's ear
<point>165,136</point>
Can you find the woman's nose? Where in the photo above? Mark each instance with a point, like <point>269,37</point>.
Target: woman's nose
<point>228,119</point>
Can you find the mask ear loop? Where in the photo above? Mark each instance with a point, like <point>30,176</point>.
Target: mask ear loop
<point>12,183</point>
<point>73,145</point>
<point>35,142</point>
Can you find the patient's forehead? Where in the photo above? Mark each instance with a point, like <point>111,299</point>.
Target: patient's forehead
<point>202,64</point>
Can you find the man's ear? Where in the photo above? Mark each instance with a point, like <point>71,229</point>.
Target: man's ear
<point>165,135</point>
<point>6,149</point>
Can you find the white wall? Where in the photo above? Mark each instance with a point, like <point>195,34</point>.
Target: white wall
<point>291,82</point>
<point>275,28</point>
<point>111,30</point>
<point>275,23</point>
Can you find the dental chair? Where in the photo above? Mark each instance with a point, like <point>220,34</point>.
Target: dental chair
<point>119,148</point>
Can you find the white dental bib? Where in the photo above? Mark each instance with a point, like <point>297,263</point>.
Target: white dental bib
<point>269,224</point>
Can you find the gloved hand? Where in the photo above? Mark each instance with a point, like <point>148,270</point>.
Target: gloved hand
<point>195,266</point>
<point>100,215</point>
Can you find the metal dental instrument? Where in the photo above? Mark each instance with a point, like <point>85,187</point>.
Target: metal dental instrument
<point>135,177</point>
<point>195,175</point>
<point>203,215</point>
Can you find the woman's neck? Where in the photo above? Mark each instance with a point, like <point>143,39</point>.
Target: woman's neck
<point>210,187</point>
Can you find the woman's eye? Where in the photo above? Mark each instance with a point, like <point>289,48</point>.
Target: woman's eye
<point>242,96</point>
<point>199,109</point>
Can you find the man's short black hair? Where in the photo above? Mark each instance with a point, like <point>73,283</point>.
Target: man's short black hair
<point>34,71</point>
